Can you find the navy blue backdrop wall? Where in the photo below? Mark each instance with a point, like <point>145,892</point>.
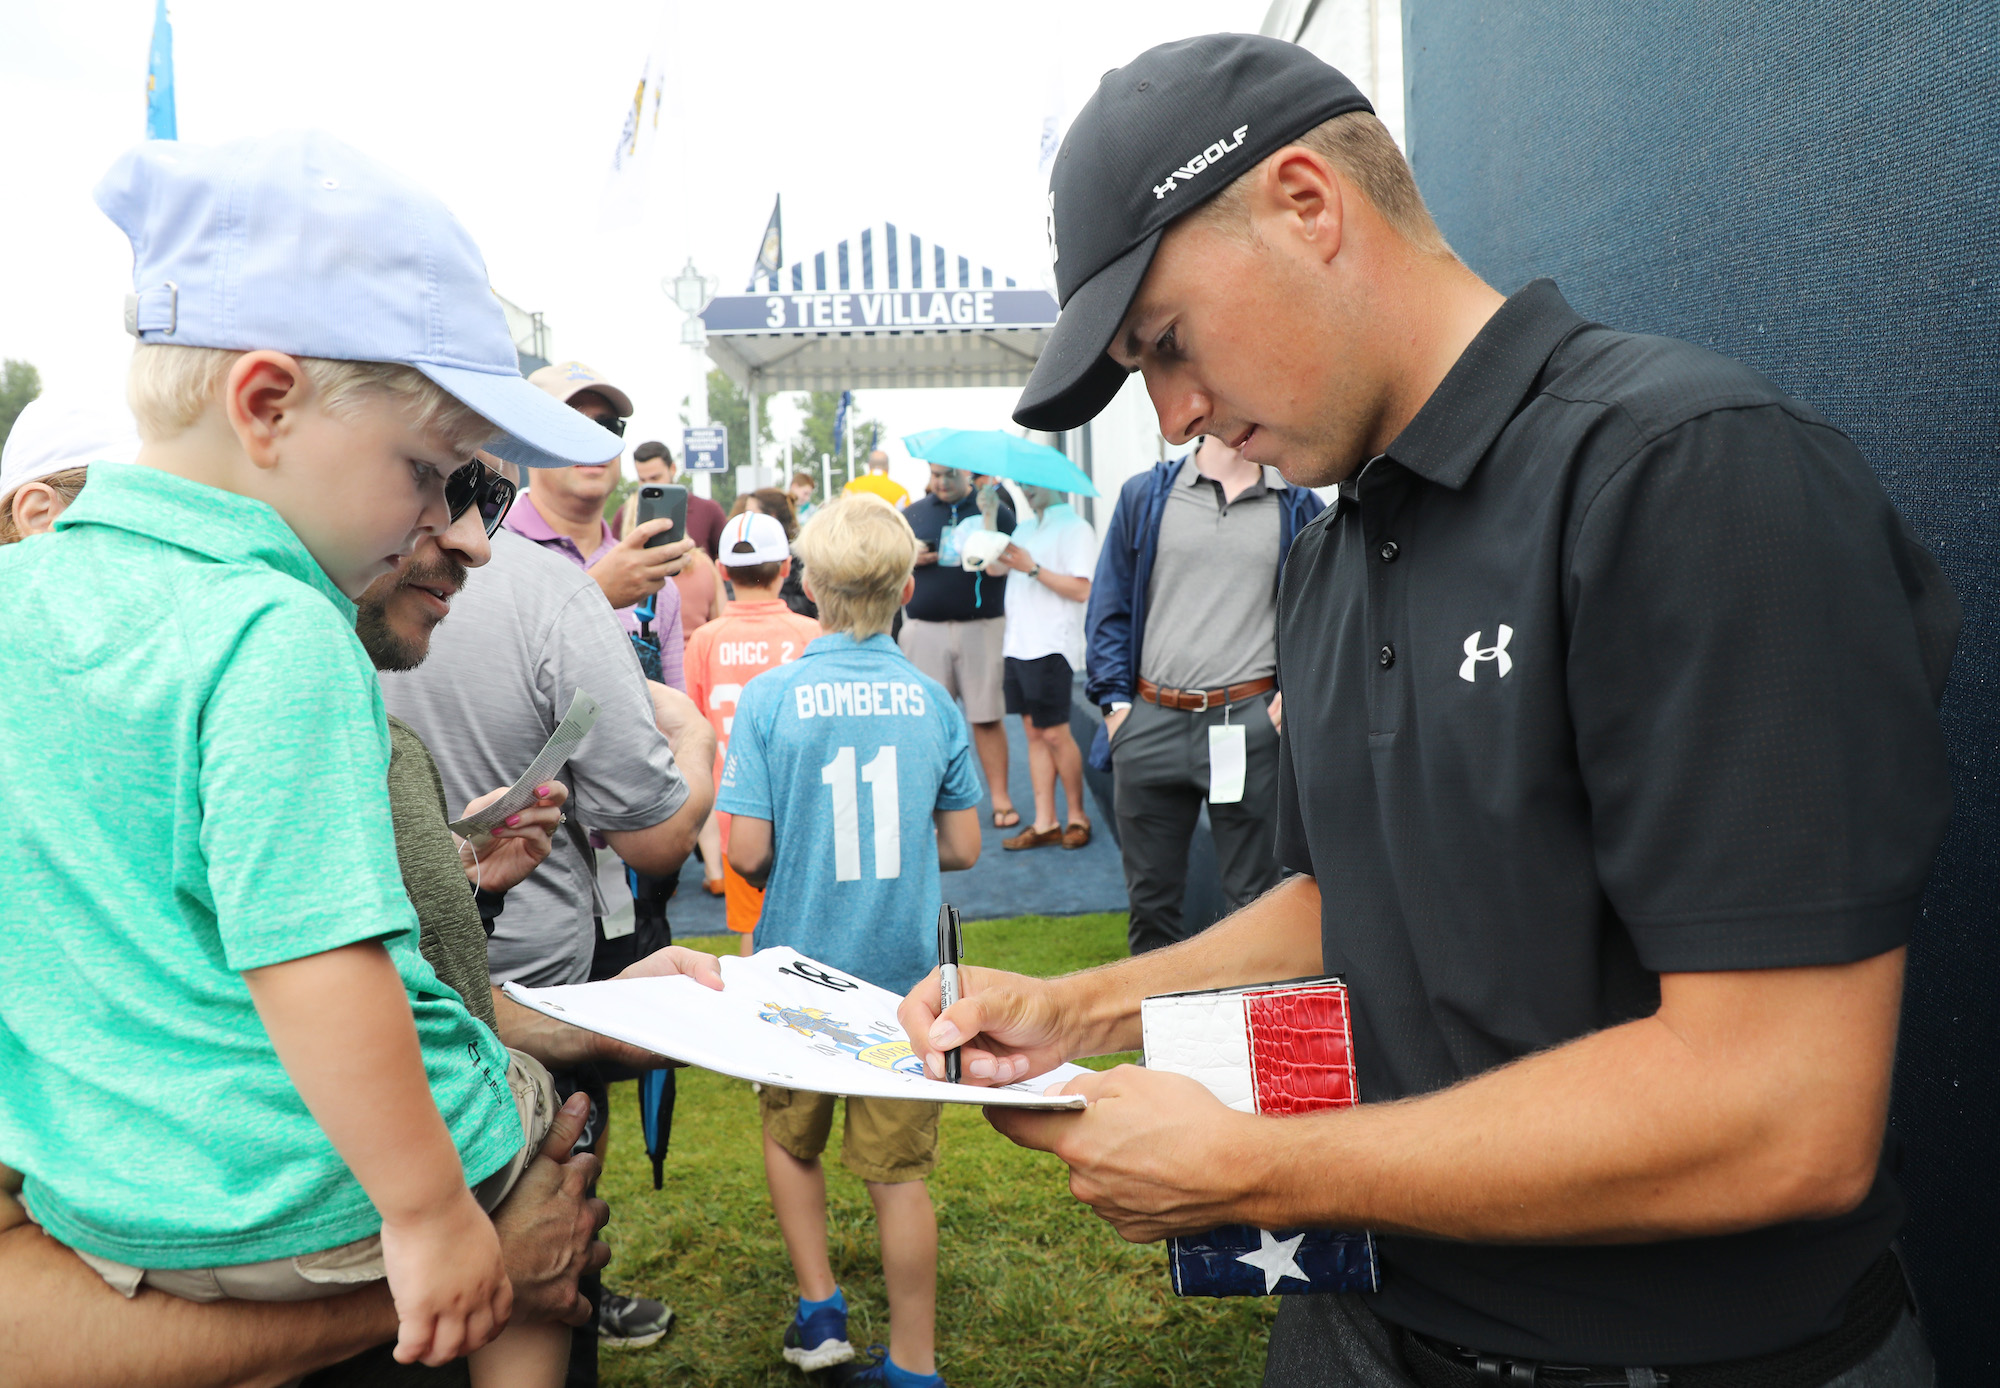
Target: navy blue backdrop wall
<point>1812,187</point>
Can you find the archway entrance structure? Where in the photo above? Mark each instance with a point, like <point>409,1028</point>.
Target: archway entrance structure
<point>881,310</point>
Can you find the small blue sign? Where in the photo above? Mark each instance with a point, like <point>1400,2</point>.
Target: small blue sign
<point>705,450</point>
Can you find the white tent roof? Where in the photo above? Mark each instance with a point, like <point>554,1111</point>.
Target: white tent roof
<point>881,309</point>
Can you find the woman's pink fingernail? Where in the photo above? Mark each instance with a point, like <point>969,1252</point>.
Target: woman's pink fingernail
<point>512,820</point>
<point>541,790</point>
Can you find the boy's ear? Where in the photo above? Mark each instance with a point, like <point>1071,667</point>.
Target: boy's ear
<point>785,572</point>
<point>909,589</point>
<point>805,582</point>
<point>36,506</point>
<point>262,392</point>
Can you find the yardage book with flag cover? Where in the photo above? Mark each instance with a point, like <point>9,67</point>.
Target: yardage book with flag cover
<point>1277,1048</point>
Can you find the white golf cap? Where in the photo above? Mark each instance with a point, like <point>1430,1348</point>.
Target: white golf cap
<point>751,538</point>
<point>52,435</point>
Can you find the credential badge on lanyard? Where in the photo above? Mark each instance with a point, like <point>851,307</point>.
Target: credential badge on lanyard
<point>1228,755</point>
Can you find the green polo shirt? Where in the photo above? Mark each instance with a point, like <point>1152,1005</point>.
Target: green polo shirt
<point>193,762</point>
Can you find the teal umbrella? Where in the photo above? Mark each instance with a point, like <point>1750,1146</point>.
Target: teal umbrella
<point>919,445</point>
<point>997,453</point>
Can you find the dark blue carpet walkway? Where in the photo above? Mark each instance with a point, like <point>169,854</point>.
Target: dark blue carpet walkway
<point>1043,881</point>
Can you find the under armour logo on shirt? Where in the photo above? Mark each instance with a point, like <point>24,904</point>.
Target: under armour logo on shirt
<point>1497,653</point>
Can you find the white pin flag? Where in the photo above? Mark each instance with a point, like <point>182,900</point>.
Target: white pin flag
<point>629,174</point>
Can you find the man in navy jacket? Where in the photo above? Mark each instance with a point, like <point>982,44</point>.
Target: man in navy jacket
<point>1183,660</point>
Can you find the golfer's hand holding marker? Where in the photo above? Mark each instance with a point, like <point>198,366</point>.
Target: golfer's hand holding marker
<point>951,948</point>
<point>1154,1153</point>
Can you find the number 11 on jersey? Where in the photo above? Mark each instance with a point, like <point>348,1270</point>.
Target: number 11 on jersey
<point>880,774</point>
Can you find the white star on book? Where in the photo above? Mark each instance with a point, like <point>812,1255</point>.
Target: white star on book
<point>1276,1259</point>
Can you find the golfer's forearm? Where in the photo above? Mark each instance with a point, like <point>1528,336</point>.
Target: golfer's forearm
<point>1650,1130</point>
<point>1276,936</point>
<point>62,1327</point>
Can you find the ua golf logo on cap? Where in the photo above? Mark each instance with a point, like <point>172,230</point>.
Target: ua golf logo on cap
<point>1233,140</point>
<point>1497,653</point>
<point>1052,227</point>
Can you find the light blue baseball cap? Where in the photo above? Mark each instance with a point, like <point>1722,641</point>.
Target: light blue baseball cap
<point>298,243</point>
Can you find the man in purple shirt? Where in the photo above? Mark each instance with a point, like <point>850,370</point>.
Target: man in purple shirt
<point>564,512</point>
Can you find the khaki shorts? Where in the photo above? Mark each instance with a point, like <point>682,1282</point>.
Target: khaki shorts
<point>888,1141</point>
<point>965,658</point>
<point>335,1270</point>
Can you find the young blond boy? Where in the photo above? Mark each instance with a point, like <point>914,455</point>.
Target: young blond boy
<point>755,633</point>
<point>230,1071</point>
<point>851,781</point>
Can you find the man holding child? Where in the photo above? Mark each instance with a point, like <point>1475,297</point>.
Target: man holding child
<point>190,973</point>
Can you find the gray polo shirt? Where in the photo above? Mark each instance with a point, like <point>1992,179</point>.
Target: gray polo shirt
<point>1212,605</point>
<point>527,632</point>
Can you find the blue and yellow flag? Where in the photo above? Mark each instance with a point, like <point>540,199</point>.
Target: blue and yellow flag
<point>160,123</point>
<point>771,250</point>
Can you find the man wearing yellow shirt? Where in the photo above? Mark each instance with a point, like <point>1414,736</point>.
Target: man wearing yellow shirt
<point>877,482</point>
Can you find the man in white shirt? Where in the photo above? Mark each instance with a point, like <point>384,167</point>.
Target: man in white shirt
<point>1048,569</point>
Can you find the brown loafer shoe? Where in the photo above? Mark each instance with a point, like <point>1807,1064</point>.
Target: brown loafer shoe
<point>1031,837</point>
<point>1076,836</point>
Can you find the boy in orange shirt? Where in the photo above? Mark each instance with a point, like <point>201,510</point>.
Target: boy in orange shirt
<point>755,633</point>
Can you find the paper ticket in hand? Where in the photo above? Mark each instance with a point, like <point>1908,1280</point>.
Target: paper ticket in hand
<point>555,752</point>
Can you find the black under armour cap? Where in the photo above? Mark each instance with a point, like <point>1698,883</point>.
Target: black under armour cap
<point>1160,137</point>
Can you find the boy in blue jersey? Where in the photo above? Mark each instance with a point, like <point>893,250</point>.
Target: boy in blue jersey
<point>851,779</point>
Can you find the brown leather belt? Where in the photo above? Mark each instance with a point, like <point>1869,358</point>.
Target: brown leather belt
<point>1202,700</point>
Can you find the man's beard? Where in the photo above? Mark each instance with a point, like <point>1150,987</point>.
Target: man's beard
<point>387,648</point>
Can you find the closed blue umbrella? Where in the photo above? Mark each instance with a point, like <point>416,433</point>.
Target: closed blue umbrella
<point>656,1116</point>
<point>997,453</point>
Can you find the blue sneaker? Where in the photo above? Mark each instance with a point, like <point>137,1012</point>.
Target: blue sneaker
<point>878,1372</point>
<point>818,1339</point>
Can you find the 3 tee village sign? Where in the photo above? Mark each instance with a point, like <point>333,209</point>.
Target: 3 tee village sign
<point>908,310</point>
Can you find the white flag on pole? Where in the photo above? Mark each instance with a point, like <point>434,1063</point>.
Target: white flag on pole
<point>629,174</point>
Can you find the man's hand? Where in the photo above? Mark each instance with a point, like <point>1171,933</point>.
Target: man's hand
<point>1154,1154</point>
<point>926,554</point>
<point>676,715</point>
<point>561,1046</point>
<point>699,965</point>
<point>548,1225</point>
<point>631,571</point>
<point>501,859</point>
<point>450,1285</point>
<point>1277,712</point>
<point>1115,720</point>
<point>1009,1025</point>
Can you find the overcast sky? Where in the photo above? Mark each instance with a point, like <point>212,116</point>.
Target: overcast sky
<point>925,114</point>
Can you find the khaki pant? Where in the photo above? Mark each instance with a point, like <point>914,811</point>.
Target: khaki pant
<point>888,1141</point>
<point>965,658</point>
<point>332,1271</point>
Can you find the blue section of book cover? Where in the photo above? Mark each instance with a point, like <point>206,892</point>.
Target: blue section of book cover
<point>1238,1260</point>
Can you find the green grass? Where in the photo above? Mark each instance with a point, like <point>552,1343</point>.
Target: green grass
<point>1033,1289</point>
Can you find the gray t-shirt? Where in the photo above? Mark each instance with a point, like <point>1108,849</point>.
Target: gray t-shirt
<point>1212,605</point>
<point>526,633</point>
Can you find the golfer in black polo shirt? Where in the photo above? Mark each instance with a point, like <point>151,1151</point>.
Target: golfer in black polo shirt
<point>1611,777</point>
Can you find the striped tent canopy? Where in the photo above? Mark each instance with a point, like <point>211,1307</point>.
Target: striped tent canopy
<point>883,257</point>
<point>883,309</point>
